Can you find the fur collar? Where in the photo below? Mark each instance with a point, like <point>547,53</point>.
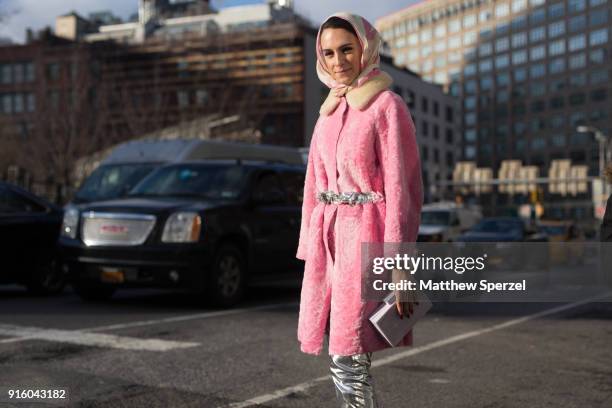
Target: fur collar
<point>358,98</point>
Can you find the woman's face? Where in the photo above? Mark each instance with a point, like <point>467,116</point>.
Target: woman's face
<point>342,54</point>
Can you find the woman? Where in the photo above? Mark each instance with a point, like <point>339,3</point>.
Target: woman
<point>363,143</point>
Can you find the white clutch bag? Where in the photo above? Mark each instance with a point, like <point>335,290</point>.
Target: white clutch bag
<point>390,325</point>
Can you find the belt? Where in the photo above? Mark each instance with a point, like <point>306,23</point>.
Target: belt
<point>351,198</point>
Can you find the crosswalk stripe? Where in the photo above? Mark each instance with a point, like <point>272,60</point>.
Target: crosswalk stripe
<point>92,339</point>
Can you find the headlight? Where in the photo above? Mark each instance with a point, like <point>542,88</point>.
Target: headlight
<point>182,227</point>
<point>70,222</point>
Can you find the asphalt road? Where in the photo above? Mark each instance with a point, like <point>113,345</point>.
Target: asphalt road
<point>149,348</point>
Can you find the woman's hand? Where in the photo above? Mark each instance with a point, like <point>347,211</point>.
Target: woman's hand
<point>405,300</point>
<point>405,308</point>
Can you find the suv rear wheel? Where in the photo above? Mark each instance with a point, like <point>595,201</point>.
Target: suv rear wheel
<point>226,284</point>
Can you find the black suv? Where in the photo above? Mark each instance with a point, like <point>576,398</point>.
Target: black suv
<point>212,226</point>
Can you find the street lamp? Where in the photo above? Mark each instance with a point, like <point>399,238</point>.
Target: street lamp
<point>602,139</point>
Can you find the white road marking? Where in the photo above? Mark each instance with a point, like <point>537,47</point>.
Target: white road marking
<point>172,319</point>
<point>262,399</point>
<point>92,339</point>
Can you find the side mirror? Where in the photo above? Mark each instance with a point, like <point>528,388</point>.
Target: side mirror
<point>274,196</point>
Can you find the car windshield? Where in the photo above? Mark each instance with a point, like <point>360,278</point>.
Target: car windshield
<point>435,217</point>
<point>112,181</point>
<point>193,180</point>
<point>498,226</point>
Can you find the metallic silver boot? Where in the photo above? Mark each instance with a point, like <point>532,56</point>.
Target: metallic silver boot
<point>354,384</point>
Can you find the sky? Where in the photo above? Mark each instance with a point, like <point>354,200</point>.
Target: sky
<point>39,13</point>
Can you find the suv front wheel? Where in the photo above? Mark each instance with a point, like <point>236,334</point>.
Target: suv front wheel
<point>226,284</point>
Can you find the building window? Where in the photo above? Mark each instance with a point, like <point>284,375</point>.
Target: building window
<point>454,25</point>
<point>598,95</point>
<point>436,108</point>
<point>557,121</point>
<point>556,10</point>
<point>424,104</point>
<point>597,56</point>
<point>502,10</point>
<point>537,34</point>
<point>597,18</point>
<point>30,102</point>
<point>485,49</point>
<point>519,57</point>
<point>454,42</point>
<point>537,106</point>
<point>182,98</point>
<point>449,114</point>
<point>598,37</point>
<point>519,22</point>
<point>556,47</point>
<point>6,103</point>
<point>577,61</point>
<point>440,31</point>
<point>556,29</point>
<point>485,65</point>
<point>557,102</point>
<point>519,128</point>
<point>6,74</point>
<point>577,80</point>
<point>557,65</point>
<point>503,79</point>
<point>470,87</point>
<point>469,152</point>
<point>436,131</point>
<point>469,21</point>
<point>599,76</point>
<point>577,23</point>
<point>53,71</point>
<point>537,53</point>
<point>538,89</point>
<point>30,73</point>
<point>470,119</point>
<point>574,6</point>
<point>449,136</point>
<point>502,61</point>
<point>502,96</point>
<point>520,74</point>
<point>577,99</point>
<point>502,44</point>
<point>577,42</point>
<point>469,38</point>
<point>18,74</point>
<point>18,105</point>
<point>519,40</point>
<point>425,128</point>
<point>486,83</point>
<point>537,16</point>
<point>518,5</point>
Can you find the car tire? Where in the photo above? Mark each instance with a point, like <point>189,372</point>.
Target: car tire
<point>47,279</point>
<point>226,284</point>
<point>93,291</point>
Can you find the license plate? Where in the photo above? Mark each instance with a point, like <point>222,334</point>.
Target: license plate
<point>112,275</point>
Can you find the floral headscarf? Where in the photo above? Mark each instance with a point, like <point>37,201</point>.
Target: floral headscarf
<point>370,41</point>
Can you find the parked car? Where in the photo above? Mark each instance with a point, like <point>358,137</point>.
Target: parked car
<point>213,226</point>
<point>444,222</point>
<point>567,241</point>
<point>502,229</point>
<point>29,229</point>
<point>130,162</point>
<point>506,235</point>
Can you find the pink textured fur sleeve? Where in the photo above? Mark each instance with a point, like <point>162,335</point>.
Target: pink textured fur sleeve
<point>309,200</point>
<point>401,169</point>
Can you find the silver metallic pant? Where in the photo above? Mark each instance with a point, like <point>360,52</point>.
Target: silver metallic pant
<point>354,384</point>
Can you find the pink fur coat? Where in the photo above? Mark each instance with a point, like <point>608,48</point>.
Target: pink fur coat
<point>366,143</point>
